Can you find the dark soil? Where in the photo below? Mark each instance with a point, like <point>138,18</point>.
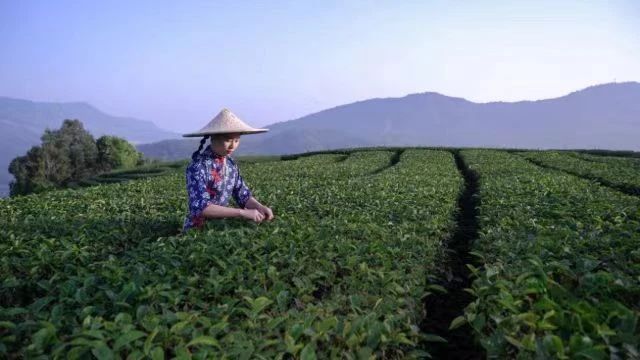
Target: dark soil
<point>392,162</point>
<point>441,309</point>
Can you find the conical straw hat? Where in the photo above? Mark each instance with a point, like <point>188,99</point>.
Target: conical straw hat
<point>225,122</point>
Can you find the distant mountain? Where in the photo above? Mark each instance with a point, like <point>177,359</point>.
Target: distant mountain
<point>288,141</point>
<point>299,140</point>
<point>604,116</point>
<point>22,123</point>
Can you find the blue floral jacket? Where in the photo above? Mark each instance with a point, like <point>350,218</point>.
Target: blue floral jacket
<point>207,184</point>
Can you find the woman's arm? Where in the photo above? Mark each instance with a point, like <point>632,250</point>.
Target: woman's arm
<point>245,199</point>
<point>213,211</point>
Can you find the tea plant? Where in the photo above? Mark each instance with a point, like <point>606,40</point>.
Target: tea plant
<point>622,173</point>
<point>340,272</point>
<point>561,274</point>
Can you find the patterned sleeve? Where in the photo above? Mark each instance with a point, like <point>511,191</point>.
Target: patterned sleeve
<point>241,193</point>
<point>196,187</point>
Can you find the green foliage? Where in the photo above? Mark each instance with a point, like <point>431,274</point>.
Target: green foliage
<point>69,156</point>
<point>340,271</point>
<point>617,172</point>
<point>611,153</point>
<point>29,172</point>
<point>70,153</point>
<point>139,172</point>
<point>561,275</point>
<point>117,153</point>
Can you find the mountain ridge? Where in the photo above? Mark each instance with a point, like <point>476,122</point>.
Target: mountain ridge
<point>84,111</point>
<point>605,116</point>
<point>601,116</point>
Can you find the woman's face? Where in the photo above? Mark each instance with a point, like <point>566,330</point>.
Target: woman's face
<point>225,144</point>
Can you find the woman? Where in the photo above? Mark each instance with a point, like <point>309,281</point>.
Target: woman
<point>213,176</point>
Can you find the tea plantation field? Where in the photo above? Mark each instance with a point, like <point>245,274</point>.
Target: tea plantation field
<point>362,242</point>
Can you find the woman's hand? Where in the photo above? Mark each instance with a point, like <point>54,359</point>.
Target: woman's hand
<point>266,212</point>
<point>252,214</point>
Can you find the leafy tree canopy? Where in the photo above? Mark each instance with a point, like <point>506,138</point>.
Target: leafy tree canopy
<point>68,155</point>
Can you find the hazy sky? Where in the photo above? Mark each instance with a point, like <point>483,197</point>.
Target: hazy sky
<point>177,63</point>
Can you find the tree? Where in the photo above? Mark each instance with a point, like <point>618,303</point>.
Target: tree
<point>67,155</point>
<point>71,153</point>
<point>115,153</point>
<point>29,173</point>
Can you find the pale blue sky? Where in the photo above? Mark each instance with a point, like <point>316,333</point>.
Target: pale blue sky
<point>177,63</point>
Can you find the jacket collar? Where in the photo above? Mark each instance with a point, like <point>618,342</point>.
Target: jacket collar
<point>208,153</point>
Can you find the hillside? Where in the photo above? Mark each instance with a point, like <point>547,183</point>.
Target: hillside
<point>604,116</point>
